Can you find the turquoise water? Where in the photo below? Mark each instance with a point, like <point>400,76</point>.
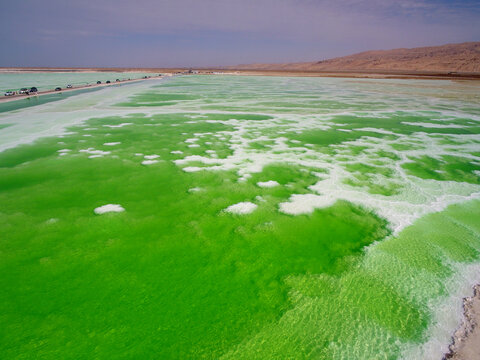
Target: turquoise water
<point>240,218</point>
<point>49,81</point>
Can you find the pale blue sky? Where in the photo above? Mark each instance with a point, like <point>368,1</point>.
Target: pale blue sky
<point>222,32</point>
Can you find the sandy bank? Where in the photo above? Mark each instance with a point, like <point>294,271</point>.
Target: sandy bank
<point>466,339</point>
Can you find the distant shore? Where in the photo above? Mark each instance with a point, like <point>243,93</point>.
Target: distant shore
<point>373,74</point>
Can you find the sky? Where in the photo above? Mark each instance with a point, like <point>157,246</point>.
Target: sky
<point>202,33</point>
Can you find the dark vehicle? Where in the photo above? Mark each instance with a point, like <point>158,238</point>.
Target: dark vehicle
<point>117,80</point>
<point>69,86</point>
<point>58,89</point>
<point>33,90</point>
<point>23,91</point>
<point>108,82</point>
<point>99,82</point>
<point>10,93</point>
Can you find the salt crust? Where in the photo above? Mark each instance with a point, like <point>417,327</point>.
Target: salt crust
<point>192,169</point>
<point>108,208</point>
<point>241,208</point>
<point>151,157</point>
<point>112,143</point>
<point>267,184</point>
<point>94,153</point>
<point>149,162</point>
<point>117,126</point>
<point>305,203</point>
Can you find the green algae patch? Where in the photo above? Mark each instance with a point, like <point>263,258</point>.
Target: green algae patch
<point>445,168</point>
<point>382,300</point>
<point>406,123</point>
<point>172,276</point>
<point>25,153</point>
<point>156,99</point>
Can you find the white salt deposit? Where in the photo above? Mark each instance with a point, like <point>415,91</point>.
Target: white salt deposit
<point>193,146</point>
<point>267,184</point>
<point>117,126</point>
<point>432,125</point>
<point>176,152</point>
<point>112,143</point>
<point>108,208</point>
<point>151,157</point>
<point>241,208</point>
<point>192,169</point>
<point>64,150</point>
<point>94,153</point>
<point>305,203</point>
<point>149,162</point>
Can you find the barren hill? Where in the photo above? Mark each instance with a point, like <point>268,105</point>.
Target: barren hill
<point>463,57</point>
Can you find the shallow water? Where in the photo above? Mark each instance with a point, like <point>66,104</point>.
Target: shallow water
<point>254,217</point>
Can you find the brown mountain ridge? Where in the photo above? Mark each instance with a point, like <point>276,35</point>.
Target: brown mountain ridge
<point>464,57</point>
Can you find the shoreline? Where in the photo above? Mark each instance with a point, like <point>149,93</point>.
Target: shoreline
<point>465,342</point>
<point>5,99</point>
<point>252,71</point>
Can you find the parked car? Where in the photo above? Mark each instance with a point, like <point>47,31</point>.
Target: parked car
<point>99,82</point>
<point>23,91</point>
<point>33,90</point>
<point>10,93</point>
<point>58,89</point>
<point>108,82</point>
<point>69,86</point>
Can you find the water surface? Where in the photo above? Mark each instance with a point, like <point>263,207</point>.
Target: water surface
<point>264,217</point>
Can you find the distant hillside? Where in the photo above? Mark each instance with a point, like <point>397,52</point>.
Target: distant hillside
<point>463,57</point>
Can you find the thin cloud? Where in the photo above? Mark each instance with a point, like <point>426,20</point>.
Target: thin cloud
<point>216,31</point>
